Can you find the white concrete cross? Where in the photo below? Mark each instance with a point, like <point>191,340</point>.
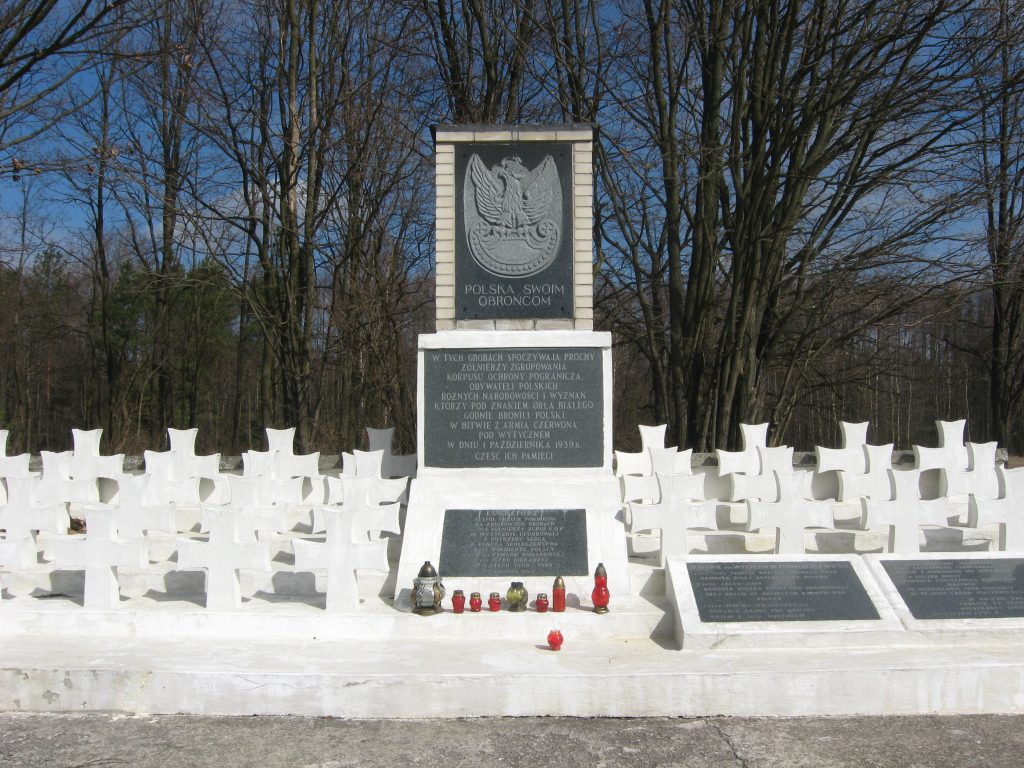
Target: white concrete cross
<point>392,466</point>
<point>12,466</point>
<point>746,461</point>
<point>979,479</point>
<point>791,514</point>
<point>373,499</point>
<point>222,557</point>
<point>100,552</point>
<point>346,550</point>
<point>905,512</point>
<point>24,514</point>
<point>136,512</point>
<point>680,506</point>
<point>1007,510</point>
<point>849,458</point>
<point>875,483</point>
<point>951,453</point>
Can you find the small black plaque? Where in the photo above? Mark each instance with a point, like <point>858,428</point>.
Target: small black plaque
<point>958,588</point>
<point>829,590</point>
<point>523,407</point>
<point>513,230</point>
<point>514,542</point>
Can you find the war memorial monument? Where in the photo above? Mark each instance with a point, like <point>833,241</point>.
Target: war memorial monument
<point>856,580</point>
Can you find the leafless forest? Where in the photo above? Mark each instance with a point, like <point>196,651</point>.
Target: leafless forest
<point>220,213</point>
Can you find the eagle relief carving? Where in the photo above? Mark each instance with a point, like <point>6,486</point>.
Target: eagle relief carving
<point>512,215</point>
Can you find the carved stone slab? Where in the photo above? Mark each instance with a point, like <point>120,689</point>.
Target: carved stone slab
<point>513,231</point>
<point>522,407</point>
<point>779,590</point>
<point>959,588</point>
<point>514,542</point>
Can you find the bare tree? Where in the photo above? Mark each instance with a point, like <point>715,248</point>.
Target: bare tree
<point>997,46</point>
<point>44,45</point>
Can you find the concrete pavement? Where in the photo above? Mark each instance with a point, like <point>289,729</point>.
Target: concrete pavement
<point>106,741</point>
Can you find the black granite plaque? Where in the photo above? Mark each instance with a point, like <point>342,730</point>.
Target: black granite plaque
<point>513,231</point>
<point>514,542</point>
<point>960,588</point>
<point>529,407</point>
<point>829,590</point>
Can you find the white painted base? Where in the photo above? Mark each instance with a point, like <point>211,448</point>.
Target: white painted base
<point>617,677</point>
<point>280,657</point>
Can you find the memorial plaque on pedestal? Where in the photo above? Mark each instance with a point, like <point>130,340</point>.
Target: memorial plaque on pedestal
<point>513,231</point>
<point>960,588</point>
<point>514,542</point>
<point>521,407</point>
<point>779,591</point>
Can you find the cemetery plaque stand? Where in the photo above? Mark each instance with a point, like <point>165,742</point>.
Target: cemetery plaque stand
<point>514,389</point>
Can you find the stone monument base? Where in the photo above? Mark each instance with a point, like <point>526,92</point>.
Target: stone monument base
<point>594,492</point>
<point>293,658</point>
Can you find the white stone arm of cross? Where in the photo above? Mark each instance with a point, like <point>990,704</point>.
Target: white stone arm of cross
<point>258,464</point>
<point>639,488</point>
<point>385,491</point>
<point>183,441</point>
<point>368,463</point>
<point>15,466</point>
<point>86,442</point>
<point>744,462</point>
<point>1007,511</point>
<point>633,463</point>
<point>652,437</point>
<point>763,488</point>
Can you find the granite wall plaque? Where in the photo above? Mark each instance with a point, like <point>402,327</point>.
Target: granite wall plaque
<point>513,231</point>
<point>521,407</point>
<point>829,590</point>
<point>959,588</point>
<point>514,542</point>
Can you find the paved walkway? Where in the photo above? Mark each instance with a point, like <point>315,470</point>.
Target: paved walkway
<point>107,741</point>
